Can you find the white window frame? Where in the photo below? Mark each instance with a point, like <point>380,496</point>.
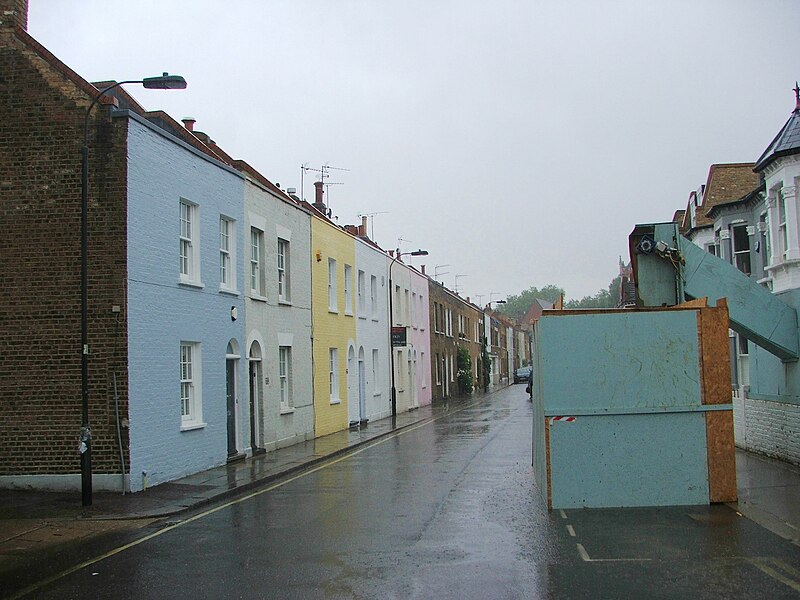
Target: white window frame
<point>362,301</point>
<point>284,254</point>
<point>285,378</point>
<point>422,370</point>
<point>227,254</point>
<point>783,231</point>
<point>333,301</point>
<point>740,255</point>
<point>256,272</point>
<point>333,375</point>
<point>191,396</point>
<point>189,243</point>
<point>348,290</point>
<point>373,293</point>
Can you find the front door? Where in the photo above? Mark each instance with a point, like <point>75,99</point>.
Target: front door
<point>362,387</point>
<point>230,394</point>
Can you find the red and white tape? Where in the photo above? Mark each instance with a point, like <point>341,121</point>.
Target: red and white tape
<point>562,419</point>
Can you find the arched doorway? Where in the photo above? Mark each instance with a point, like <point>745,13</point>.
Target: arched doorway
<point>232,397</point>
<point>256,397</point>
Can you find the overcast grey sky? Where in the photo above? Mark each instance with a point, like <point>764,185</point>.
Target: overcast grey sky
<point>518,142</point>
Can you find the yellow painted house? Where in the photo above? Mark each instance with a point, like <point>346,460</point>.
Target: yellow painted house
<point>333,320</point>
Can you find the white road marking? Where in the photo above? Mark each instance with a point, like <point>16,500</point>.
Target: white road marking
<point>585,557</point>
<point>571,530</point>
<point>563,514</point>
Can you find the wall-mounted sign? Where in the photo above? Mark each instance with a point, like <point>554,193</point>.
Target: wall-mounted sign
<point>399,337</point>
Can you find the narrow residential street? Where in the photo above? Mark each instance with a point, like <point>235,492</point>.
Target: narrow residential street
<point>443,509</point>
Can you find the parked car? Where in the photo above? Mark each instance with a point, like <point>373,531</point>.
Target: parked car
<point>522,374</point>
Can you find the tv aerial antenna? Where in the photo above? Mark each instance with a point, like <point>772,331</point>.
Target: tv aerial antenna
<point>371,217</point>
<point>324,174</point>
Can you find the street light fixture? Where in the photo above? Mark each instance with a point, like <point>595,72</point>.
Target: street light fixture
<point>485,341</point>
<point>397,255</point>
<point>162,82</point>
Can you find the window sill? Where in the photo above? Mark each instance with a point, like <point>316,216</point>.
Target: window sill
<point>333,311</point>
<point>229,292</point>
<point>335,401</point>
<point>284,302</point>
<point>192,284</point>
<point>258,298</point>
<point>363,318</point>
<point>192,426</point>
<point>377,394</point>
<point>287,411</point>
<point>348,314</point>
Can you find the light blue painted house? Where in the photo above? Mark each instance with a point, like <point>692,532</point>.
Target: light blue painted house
<point>185,307</point>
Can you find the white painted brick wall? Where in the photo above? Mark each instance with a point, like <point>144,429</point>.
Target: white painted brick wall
<point>770,428</point>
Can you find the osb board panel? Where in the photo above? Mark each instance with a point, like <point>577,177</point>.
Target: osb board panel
<point>712,331</point>
<point>547,455</point>
<point>696,303</point>
<point>721,456</point>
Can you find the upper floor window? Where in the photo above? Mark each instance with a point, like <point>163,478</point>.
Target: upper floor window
<point>360,291</point>
<point>348,290</point>
<point>783,236</point>
<point>257,263</point>
<point>766,241</point>
<point>741,248</point>
<point>333,303</point>
<point>227,254</point>
<point>373,295</point>
<point>189,245</point>
<point>283,270</point>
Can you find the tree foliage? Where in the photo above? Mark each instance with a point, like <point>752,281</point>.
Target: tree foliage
<point>603,299</point>
<point>517,305</point>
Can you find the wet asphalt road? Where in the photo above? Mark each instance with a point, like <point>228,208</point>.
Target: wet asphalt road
<point>445,509</point>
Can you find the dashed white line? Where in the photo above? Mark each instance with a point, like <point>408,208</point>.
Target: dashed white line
<point>563,514</point>
<point>571,530</point>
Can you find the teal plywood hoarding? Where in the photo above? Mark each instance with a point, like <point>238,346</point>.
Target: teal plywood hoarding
<point>619,400</point>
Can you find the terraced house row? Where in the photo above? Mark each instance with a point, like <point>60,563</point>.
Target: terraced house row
<point>226,316</point>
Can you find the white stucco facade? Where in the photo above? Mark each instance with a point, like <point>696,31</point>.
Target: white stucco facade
<point>276,406</point>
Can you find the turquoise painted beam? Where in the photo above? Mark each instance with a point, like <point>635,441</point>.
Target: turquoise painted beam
<point>754,311</point>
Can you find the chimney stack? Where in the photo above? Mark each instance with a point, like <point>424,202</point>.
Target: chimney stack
<point>14,13</point>
<point>189,122</point>
<point>319,203</point>
<point>362,231</point>
<point>422,267</point>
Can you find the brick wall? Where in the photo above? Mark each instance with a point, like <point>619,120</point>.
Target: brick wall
<point>771,428</point>
<point>41,131</point>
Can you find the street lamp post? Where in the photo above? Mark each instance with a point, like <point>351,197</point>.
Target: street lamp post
<point>162,82</point>
<point>397,255</point>
<point>486,367</point>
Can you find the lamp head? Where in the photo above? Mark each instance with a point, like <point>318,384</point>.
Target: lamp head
<point>165,82</point>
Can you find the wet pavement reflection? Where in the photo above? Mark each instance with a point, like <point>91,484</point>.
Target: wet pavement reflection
<point>445,509</point>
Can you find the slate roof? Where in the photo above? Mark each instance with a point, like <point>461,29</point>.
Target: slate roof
<point>786,142</point>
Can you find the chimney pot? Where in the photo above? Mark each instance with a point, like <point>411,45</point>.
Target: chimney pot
<point>189,122</point>
<point>423,269</point>
<point>319,203</point>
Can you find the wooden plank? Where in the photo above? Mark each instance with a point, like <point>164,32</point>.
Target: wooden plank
<point>714,355</point>
<point>721,456</point>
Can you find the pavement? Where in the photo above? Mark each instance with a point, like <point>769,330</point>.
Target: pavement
<point>30,521</point>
